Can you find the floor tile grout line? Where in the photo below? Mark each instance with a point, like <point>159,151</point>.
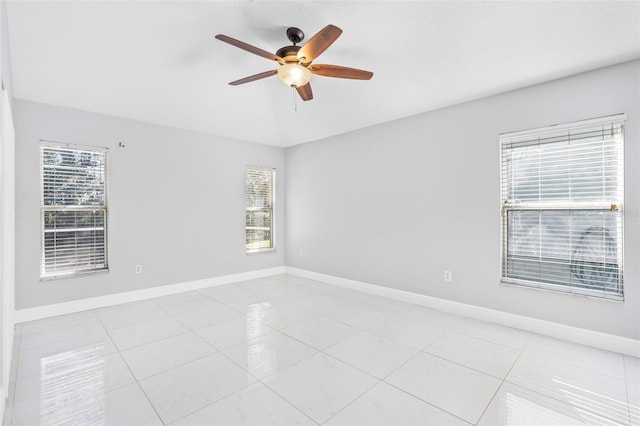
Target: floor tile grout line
<point>626,386</point>
<point>262,381</point>
<point>136,322</point>
<point>490,401</point>
<point>287,401</point>
<point>103,393</point>
<point>59,341</point>
<point>222,397</point>
<point>545,356</point>
<point>122,350</point>
<point>468,334</point>
<point>213,402</point>
<point>466,366</point>
<point>174,315</point>
<point>504,380</point>
<point>487,340</point>
<point>153,407</point>
<point>286,335</point>
<point>366,372</point>
<point>269,375</point>
<point>129,307</point>
<point>414,356</point>
<point>354,400</point>
<point>265,381</point>
<point>187,329</point>
<point>137,382</point>
<point>423,400</point>
<point>102,323</point>
<point>384,380</point>
<point>555,398</point>
<point>171,368</point>
<point>590,409</point>
<point>579,367</point>
<point>315,347</point>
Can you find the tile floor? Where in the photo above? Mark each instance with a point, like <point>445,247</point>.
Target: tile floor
<point>285,350</point>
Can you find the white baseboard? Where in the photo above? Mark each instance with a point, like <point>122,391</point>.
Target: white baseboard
<point>610,342</point>
<point>40,312</point>
<point>3,399</point>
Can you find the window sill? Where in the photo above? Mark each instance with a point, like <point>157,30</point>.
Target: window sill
<point>259,251</point>
<point>559,289</point>
<point>73,274</point>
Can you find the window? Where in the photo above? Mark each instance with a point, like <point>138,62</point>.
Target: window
<point>259,197</point>
<point>562,199</point>
<point>73,212</point>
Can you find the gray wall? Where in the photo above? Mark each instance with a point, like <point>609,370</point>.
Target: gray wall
<point>398,203</point>
<point>176,203</point>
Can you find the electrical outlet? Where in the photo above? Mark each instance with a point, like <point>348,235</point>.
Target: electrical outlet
<point>447,276</point>
<point>138,269</point>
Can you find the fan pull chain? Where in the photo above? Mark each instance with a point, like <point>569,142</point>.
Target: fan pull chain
<point>295,99</point>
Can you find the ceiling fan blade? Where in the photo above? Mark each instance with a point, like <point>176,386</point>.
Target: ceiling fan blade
<point>319,43</point>
<point>254,77</point>
<point>249,48</point>
<point>340,72</point>
<point>305,92</point>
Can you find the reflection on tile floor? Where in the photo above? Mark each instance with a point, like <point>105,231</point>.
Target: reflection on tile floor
<point>285,350</point>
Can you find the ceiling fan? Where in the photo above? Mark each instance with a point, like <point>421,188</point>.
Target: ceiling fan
<point>295,61</point>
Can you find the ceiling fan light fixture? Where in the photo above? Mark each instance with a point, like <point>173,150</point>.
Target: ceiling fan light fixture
<point>294,75</point>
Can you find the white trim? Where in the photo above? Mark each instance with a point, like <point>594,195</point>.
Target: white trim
<point>40,312</point>
<point>7,239</point>
<point>610,342</point>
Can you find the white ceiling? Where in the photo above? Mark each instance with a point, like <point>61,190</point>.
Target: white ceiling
<point>157,61</point>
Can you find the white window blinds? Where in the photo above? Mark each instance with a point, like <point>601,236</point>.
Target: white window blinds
<point>562,198</point>
<point>259,200</point>
<point>73,210</point>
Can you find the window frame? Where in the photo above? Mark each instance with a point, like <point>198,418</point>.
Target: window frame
<point>44,276</point>
<point>564,205</point>
<point>270,209</point>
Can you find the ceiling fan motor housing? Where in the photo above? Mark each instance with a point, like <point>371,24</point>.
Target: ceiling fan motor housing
<point>283,52</point>
<point>295,36</point>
